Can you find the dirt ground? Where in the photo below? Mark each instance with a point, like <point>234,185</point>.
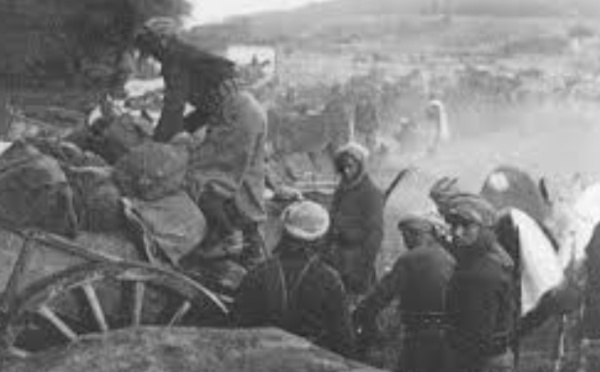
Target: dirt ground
<point>186,350</point>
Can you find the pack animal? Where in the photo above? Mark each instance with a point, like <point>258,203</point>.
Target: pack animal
<point>313,134</point>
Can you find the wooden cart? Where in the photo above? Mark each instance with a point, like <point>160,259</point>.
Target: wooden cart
<point>55,291</point>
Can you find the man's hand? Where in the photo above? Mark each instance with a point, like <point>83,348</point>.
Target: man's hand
<point>288,193</point>
<point>365,328</point>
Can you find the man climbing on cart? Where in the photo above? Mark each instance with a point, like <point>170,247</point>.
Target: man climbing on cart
<point>226,171</point>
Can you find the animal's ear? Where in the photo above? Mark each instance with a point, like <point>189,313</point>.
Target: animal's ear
<point>543,187</point>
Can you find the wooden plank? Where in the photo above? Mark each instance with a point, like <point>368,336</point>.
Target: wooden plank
<point>183,309</point>
<point>17,352</point>
<point>9,293</point>
<point>51,316</point>
<point>92,297</point>
<point>138,303</point>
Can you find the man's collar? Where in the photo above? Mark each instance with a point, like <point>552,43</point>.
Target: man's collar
<point>347,185</point>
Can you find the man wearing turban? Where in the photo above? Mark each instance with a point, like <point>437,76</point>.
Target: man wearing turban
<point>481,295</point>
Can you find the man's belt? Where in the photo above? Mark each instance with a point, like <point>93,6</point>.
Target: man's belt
<point>424,319</point>
<point>498,344</point>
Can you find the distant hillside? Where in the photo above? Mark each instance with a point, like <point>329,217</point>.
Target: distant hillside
<point>504,8</point>
<point>410,25</point>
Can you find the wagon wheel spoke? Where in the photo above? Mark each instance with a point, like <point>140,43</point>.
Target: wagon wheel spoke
<point>180,313</point>
<point>55,320</point>
<point>92,298</point>
<point>142,294</point>
<point>17,352</point>
<point>139,290</point>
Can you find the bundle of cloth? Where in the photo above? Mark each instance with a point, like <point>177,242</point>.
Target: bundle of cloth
<point>132,189</point>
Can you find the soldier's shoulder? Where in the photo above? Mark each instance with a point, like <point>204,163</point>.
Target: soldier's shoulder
<point>502,258</point>
<point>491,268</point>
<point>437,249</point>
<point>372,188</point>
<point>432,252</point>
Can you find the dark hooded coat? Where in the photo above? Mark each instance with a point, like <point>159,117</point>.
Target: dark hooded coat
<point>357,231</point>
<point>296,291</point>
<point>193,77</point>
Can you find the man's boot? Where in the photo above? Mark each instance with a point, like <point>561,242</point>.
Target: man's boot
<point>230,245</point>
<point>211,262</point>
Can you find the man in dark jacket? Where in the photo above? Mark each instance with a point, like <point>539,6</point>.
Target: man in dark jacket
<point>420,280</point>
<point>357,220</point>
<point>191,76</point>
<point>295,290</point>
<point>227,170</point>
<point>481,295</point>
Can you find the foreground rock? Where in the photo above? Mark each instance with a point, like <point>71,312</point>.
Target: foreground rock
<point>189,350</point>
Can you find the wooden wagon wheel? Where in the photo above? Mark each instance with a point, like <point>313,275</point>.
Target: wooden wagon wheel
<point>100,297</point>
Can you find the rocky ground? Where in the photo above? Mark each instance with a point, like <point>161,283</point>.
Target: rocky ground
<point>189,350</point>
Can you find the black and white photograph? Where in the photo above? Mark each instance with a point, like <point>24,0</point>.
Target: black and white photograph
<point>299,185</point>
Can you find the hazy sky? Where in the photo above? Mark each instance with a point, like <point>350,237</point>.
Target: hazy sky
<point>216,10</point>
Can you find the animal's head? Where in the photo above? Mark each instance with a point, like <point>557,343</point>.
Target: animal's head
<point>435,109</point>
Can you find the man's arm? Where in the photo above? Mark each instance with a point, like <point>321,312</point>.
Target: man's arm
<point>177,87</point>
<point>341,332</point>
<point>240,138</point>
<point>384,292</point>
<point>373,224</point>
<point>247,309</point>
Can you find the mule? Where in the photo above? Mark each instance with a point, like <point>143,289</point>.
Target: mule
<point>314,134</point>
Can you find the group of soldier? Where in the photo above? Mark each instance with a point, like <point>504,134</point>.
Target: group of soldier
<point>455,291</point>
